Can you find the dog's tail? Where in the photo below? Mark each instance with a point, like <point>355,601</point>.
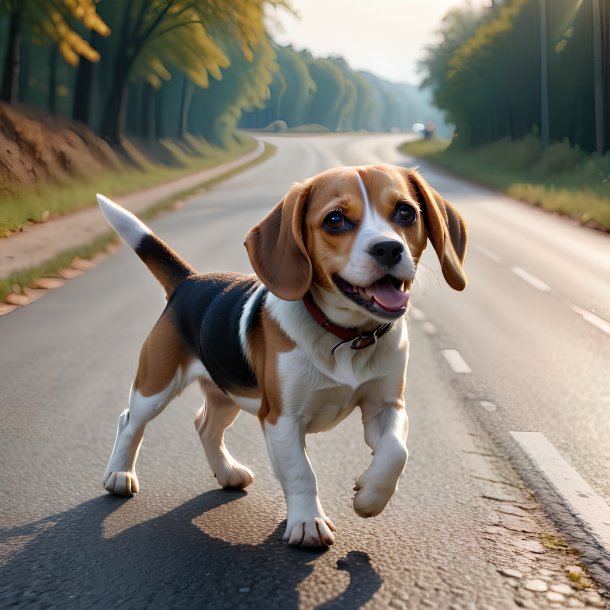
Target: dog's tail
<point>162,261</point>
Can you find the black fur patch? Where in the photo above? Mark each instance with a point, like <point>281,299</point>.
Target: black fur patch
<point>207,309</point>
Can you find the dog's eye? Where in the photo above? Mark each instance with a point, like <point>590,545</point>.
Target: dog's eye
<point>335,222</point>
<point>405,214</point>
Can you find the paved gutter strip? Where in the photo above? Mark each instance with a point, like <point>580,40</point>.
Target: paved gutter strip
<point>586,505</point>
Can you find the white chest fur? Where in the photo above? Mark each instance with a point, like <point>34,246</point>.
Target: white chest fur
<point>323,389</point>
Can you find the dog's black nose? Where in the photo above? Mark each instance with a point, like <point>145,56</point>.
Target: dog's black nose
<point>387,253</point>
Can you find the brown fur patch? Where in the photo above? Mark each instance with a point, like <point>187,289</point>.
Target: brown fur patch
<point>163,354</point>
<point>445,228</point>
<point>333,190</point>
<point>276,249</point>
<point>265,342</point>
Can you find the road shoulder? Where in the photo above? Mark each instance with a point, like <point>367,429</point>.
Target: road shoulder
<point>39,245</point>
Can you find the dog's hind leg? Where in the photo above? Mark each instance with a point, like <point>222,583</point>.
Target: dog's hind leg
<point>165,369</point>
<point>218,413</point>
<point>120,477</point>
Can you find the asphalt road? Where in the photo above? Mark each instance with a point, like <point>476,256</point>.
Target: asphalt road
<point>464,529</point>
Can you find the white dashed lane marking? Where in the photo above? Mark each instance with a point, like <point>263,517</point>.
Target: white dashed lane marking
<point>455,360</point>
<point>488,405</point>
<point>532,280</point>
<point>586,505</point>
<point>488,254</point>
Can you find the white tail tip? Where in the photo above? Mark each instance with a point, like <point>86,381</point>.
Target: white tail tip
<point>128,226</point>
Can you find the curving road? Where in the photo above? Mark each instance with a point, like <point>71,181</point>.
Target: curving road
<point>524,348</point>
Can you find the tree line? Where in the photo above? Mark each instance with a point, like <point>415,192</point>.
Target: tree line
<point>525,65</point>
<point>165,68</point>
<point>308,90</point>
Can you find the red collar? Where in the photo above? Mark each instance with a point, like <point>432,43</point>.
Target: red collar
<point>347,334</point>
<point>359,339</point>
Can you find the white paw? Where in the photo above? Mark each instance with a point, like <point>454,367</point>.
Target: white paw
<point>234,475</point>
<point>121,483</point>
<point>317,531</point>
<point>370,499</point>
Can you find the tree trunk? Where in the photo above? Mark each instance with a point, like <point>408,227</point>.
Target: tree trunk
<point>52,91</point>
<point>81,109</point>
<point>185,103</point>
<point>544,81</point>
<point>24,69</point>
<point>114,113</point>
<point>10,75</point>
<point>159,124</point>
<point>114,110</point>
<point>148,112</point>
<point>598,80</point>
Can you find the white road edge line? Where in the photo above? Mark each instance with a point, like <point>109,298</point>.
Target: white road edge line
<point>488,254</point>
<point>591,318</point>
<point>586,505</point>
<point>532,280</point>
<point>455,360</point>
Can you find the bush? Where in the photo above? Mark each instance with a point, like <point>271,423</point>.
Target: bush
<point>312,128</point>
<point>558,158</point>
<point>276,126</point>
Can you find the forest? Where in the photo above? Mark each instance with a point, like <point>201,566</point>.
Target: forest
<point>525,66</point>
<point>157,69</point>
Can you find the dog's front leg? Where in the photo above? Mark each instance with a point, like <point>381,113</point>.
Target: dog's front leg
<point>307,525</point>
<point>385,432</point>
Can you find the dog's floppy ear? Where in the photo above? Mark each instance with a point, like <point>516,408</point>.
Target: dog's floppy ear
<point>446,230</point>
<point>276,248</point>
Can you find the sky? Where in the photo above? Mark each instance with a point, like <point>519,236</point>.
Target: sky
<point>385,37</point>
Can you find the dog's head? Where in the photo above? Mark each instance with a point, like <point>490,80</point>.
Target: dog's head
<point>355,235</point>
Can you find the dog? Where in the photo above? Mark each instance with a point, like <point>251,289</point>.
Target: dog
<point>319,330</point>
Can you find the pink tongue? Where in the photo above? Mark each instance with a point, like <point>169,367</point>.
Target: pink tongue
<point>388,296</point>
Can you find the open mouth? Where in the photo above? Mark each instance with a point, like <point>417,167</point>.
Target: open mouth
<point>385,297</point>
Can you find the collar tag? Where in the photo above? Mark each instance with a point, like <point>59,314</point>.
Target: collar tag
<point>365,339</point>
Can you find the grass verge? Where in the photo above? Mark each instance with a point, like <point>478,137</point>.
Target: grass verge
<point>561,178</point>
<point>68,195</point>
<point>16,282</point>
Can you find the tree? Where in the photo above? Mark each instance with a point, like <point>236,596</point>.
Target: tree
<point>155,33</point>
<point>48,20</point>
<point>216,111</point>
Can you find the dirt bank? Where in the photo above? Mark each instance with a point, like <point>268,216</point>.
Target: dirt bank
<point>35,147</point>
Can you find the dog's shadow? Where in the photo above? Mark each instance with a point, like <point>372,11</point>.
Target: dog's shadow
<point>67,561</point>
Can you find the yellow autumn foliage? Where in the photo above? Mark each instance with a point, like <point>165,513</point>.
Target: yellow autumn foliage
<point>51,19</point>
<point>189,35</point>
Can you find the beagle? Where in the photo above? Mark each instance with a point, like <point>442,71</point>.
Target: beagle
<point>319,330</point>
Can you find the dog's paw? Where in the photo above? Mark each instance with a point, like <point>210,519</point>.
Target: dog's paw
<point>121,483</point>
<point>370,499</point>
<point>234,475</point>
<point>316,531</point>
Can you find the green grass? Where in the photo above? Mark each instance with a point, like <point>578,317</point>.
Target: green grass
<point>63,197</point>
<point>25,277</point>
<point>561,179</point>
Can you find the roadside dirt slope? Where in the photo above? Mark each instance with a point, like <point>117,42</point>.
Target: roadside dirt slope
<point>35,147</point>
